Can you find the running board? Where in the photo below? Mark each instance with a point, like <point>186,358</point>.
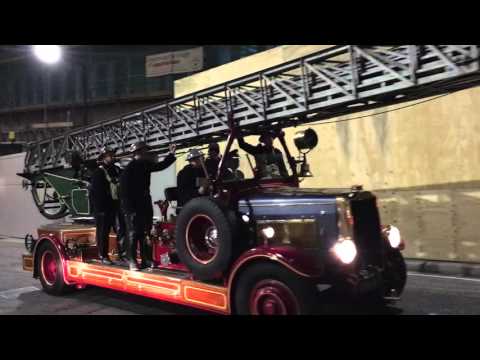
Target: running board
<point>158,284</point>
<point>158,270</point>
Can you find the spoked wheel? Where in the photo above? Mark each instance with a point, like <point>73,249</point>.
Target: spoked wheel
<point>202,239</point>
<point>50,270</point>
<point>47,200</point>
<point>271,289</point>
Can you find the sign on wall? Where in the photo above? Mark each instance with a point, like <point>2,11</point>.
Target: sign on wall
<point>58,124</point>
<point>174,62</point>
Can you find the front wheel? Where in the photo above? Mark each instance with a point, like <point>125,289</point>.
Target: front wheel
<point>395,272</point>
<point>394,280</point>
<point>271,289</point>
<point>51,270</point>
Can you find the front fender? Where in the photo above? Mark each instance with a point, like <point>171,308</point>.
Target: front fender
<point>299,261</point>
<point>61,251</point>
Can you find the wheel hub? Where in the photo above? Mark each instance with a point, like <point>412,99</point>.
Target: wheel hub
<point>211,237</point>
<point>49,267</point>
<point>271,297</point>
<point>202,239</point>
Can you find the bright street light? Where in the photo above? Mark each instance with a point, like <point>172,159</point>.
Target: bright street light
<point>49,54</point>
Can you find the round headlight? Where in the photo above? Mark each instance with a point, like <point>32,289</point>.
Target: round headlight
<point>394,237</point>
<point>345,250</point>
<point>269,232</point>
<point>29,243</point>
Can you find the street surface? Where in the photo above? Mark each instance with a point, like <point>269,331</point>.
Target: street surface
<point>20,294</point>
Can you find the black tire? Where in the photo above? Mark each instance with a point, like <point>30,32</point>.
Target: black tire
<point>395,272</point>
<point>394,277</point>
<point>299,294</point>
<point>53,285</point>
<point>204,214</point>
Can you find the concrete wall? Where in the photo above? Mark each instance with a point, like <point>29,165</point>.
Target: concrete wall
<point>241,67</point>
<point>18,213</point>
<point>423,162</point>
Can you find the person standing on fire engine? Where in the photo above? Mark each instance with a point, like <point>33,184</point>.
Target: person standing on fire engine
<point>137,201</point>
<point>232,164</point>
<point>188,178</point>
<point>268,159</point>
<point>213,160</point>
<point>106,205</point>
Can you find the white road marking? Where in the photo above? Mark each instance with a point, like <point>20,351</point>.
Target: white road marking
<point>13,241</point>
<point>444,277</point>
<point>15,293</point>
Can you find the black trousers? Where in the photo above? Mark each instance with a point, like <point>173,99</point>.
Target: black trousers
<point>105,221</point>
<point>138,225</point>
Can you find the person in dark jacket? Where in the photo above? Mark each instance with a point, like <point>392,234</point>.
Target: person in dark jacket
<point>213,160</point>
<point>188,178</point>
<point>106,205</point>
<point>137,201</point>
<point>268,159</point>
<point>232,164</point>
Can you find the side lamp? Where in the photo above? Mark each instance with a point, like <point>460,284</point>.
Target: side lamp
<point>305,141</point>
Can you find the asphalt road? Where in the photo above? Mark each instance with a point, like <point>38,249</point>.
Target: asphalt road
<point>20,294</point>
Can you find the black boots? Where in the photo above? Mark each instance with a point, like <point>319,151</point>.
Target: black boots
<point>106,261</point>
<point>133,266</point>
<point>147,264</point>
<point>123,258</point>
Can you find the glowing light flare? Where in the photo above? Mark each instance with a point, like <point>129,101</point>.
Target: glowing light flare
<point>345,250</point>
<point>269,232</point>
<point>394,237</point>
<point>48,54</point>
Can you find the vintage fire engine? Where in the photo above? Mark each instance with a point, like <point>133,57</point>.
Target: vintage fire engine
<point>260,245</point>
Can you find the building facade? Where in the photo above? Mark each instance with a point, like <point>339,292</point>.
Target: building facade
<point>90,84</point>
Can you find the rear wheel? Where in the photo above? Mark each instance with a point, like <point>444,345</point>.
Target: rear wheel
<point>50,270</point>
<point>271,289</point>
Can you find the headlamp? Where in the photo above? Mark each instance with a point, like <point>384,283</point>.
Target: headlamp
<point>393,236</point>
<point>345,250</point>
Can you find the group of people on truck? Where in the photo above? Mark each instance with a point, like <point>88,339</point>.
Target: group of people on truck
<point>193,179</point>
<point>122,201</point>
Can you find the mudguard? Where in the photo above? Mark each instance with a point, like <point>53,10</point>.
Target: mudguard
<point>299,261</point>
<point>61,251</point>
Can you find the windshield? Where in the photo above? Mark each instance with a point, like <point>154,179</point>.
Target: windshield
<point>239,165</point>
